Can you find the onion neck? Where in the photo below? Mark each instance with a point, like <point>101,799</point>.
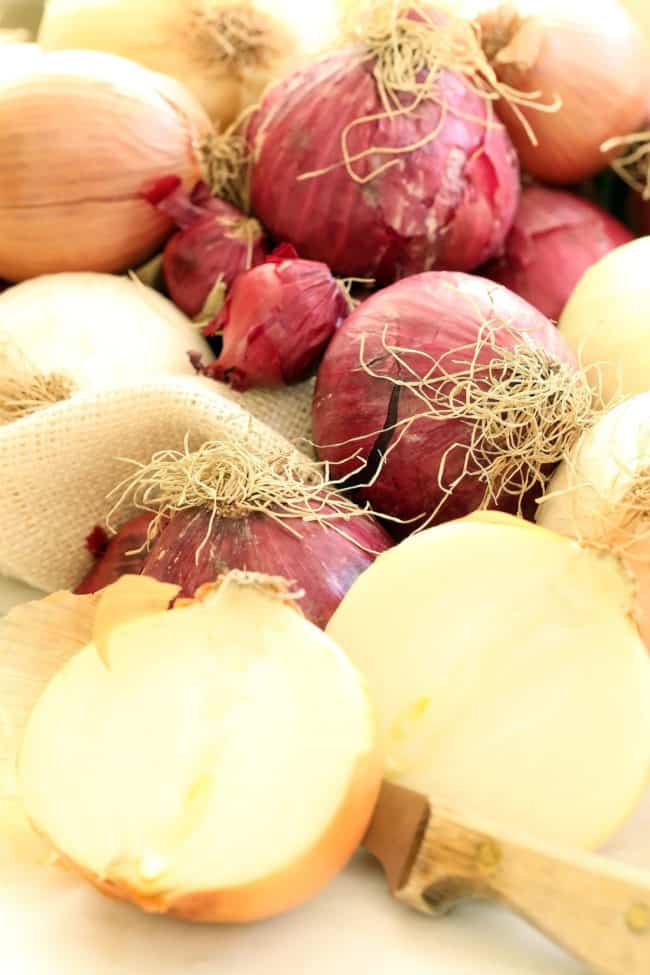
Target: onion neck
<point>499,29</point>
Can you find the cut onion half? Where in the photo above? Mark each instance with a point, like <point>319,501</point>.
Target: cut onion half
<point>508,675</point>
<point>216,761</point>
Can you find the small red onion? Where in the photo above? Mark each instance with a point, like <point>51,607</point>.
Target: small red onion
<point>112,560</point>
<point>443,385</point>
<point>555,237</point>
<point>446,204</point>
<point>215,241</point>
<point>277,320</point>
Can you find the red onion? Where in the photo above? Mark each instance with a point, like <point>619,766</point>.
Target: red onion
<point>555,237</point>
<point>216,241</point>
<point>323,560</point>
<point>112,560</point>
<point>454,393</point>
<point>276,322</point>
<point>447,203</point>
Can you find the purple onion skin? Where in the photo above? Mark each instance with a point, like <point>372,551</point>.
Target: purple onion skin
<point>320,561</point>
<point>115,562</point>
<point>276,323</point>
<point>555,237</point>
<point>208,244</point>
<point>448,204</point>
<point>434,313</point>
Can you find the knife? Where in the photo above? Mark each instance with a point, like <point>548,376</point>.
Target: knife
<point>595,908</point>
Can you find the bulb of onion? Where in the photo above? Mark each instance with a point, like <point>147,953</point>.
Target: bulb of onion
<point>640,10</point>
<point>555,237</point>
<point>507,674</point>
<point>445,393</point>
<point>601,493</point>
<point>225,749</point>
<point>100,330</point>
<point>592,56</point>
<point>225,51</point>
<point>440,191</point>
<point>70,189</point>
<point>606,320</point>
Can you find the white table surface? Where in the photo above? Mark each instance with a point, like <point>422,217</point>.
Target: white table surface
<point>53,924</point>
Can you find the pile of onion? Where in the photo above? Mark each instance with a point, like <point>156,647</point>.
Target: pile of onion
<point>70,190</point>
<point>606,320</point>
<point>225,51</point>
<point>445,393</point>
<point>601,493</point>
<point>384,159</point>
<point>591,58</point>
<point>225,507</point>
<point>276,322</point>
<point>214,243</point>
<point>555,237</point>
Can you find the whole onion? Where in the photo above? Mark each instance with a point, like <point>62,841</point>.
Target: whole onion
<point>229,506</point>
<point>214,243</point>
<point>555,237</point>
<point>445,393</point>
<point>385,192</point>
<point>276,322</point>
<point>590,58</point>
<point>81,136</point>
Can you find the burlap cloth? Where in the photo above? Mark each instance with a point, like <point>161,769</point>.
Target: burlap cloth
<point>58,465</point>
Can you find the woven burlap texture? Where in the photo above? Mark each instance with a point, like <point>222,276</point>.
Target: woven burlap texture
<point>58,465</point>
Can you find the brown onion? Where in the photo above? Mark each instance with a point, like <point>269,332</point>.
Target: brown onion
<point>593,57</point>
<point>555,237</point>
<point>81,136</point>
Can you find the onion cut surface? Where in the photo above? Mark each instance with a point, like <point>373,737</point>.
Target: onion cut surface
<point>508,675</point>
<point>224,751</point>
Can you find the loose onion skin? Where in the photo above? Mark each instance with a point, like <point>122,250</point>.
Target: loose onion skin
<point>125,553</point>
<point>361,418</point>
<point>593,57</point>
<point>323,561</point>
<point>276,322</point>
<point>447,204</point>
<point>215,241</point>
<point>69,187</point>
<point>555,237</point>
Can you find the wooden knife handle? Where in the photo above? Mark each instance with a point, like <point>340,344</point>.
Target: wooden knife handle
<point>597,909</point>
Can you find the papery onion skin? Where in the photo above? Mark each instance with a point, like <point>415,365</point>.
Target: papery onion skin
<point>81,135</point>
<point>555,237</point>
<point>447,204</point>
<point>323,560</point>
<point>125,553</point>
<point>594,57</point>
<point>277,321</point>
<point>214,241</point>
<point>436,313</point>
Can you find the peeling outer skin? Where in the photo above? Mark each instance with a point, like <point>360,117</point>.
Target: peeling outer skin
<point>114,561</point>
<point>276,322</point>
<point>348,403</point>
<point>555,237</point>
<point>448,204</point>
<point>316,560</point>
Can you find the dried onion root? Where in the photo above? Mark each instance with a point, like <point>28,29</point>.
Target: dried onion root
<point>24,389</point>
<point>230,506</point>
<point>632,164</point>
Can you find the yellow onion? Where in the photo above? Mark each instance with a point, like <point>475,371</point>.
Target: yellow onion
<point>592,57</point>
<point>225,51</point>
<point>640,10</point>
<point>81,135</point>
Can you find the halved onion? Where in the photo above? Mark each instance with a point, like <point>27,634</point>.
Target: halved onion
<point>216,761</point>
<point>508,675</point>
